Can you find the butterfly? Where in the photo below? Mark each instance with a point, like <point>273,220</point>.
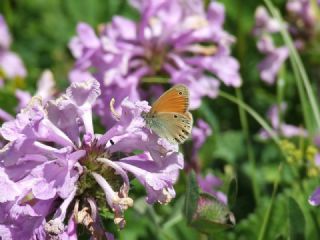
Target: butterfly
<point>169,117</point>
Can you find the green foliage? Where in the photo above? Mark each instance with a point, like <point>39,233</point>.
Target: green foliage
<point>296,221</point>
<point>192,196</point>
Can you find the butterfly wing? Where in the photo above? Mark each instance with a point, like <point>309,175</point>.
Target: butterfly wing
<point>176,99</point>
<point>175,127</point>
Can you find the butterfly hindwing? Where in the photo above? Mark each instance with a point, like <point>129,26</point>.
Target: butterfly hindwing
<point>175,127</point>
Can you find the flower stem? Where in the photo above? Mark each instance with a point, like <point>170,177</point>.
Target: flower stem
<point>251,155</point>
<point>253,114</point>
<point>161,80</point>
<point>268,212</point>
<point>281,83</point>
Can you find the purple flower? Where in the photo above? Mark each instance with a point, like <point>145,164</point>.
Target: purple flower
<point>11,65</point>
<point>5,116</point>
<point>275,56</point>
<point>302,21</point>
<point>314,166</point>
<point>264,23</point>
<point>53,164</point>
<point>314,199</point>
<point>271,64</point>
<point>281,128</point>
<point>46,86</point>
<point>166,42</point>
<point>45,90</point>
<point>200,132</point>
<point>209,183</point>
<point>5,37</point>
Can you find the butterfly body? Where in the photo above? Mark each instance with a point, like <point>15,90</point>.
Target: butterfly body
<point>169,116</point>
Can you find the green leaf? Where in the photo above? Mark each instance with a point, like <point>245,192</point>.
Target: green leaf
<point>209,116</point>
<point>296,220</point>
<point>176,214</point>
<point>229,146</point>
<point>232,192</point>
<point>192,196</point>
<point>8,100</point>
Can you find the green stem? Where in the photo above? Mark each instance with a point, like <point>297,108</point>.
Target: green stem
<point>310,211</point>
<point>267,215</point>
<point>253,114</point>
<point>280,92</point>
<point>161,80</point>
<point>251,156</point>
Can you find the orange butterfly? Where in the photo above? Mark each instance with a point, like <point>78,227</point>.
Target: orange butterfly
<point>169,116</point>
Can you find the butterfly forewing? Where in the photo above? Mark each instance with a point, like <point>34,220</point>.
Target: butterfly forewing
<point>176,99</point>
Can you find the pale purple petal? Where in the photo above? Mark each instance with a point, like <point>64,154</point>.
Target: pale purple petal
<point>5,37</point>
<point>24,98</point>
<point>45,86</point>
<point>314,199</point>
<point>12,65</point>
<point>209,184</point>
<point>290,131</point>
<point>158,178</point>
<point>87,36</point>
<point>272,63</point>
<point>264,23</point>
<point>5,116</point>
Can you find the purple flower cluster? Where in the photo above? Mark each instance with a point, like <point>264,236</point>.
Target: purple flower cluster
<point>53,167</point>
<point>280,127</point>
<point>301,22</point>
<point>181,42</point>
<point>11,65</point>
<point>274,56</point>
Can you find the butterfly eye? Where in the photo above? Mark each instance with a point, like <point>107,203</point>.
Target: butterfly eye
<point>175,116</point>
<point>180,93</point>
